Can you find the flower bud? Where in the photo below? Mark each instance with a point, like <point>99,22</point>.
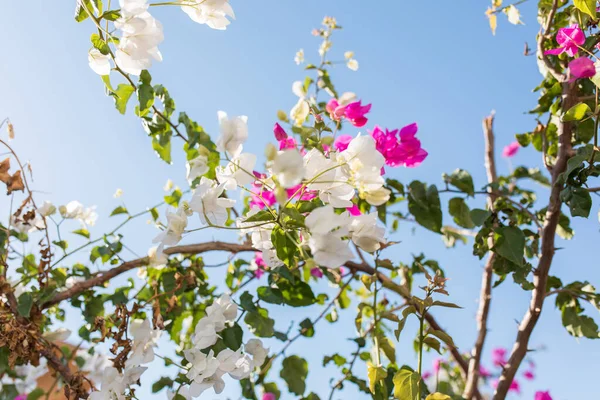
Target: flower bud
<point>270,151</point>
<point>282,116</point>
<point>279,132</point>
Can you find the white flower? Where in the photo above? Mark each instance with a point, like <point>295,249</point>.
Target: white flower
<point>196,168</point>
<point>288,167</point>
<point>513,14</point>
<point>168,185</point>
<point>348,55</point>
<point>270,258</point>
<point>72,210</point>
<point>111,386</point>
<point>98,62</point>
<point>326,244</point>
<point>89,216</point>
<point>224,306</point>
<point>363,163</point>
<point>365,232</point>
<point>299,58</point>
<point>156,258</point>
<point>205,333</point>
<point>329,250</point>
<point>377,197</point>
<point>352,64</point>
<point>28,375</point>
<point>22,226</point>
<point>325,47</point>
<point>118,193</point>
<point>139,44</point>
<point>260,234</point>
<point>94,365</point>
<point>213,13</point>
<point>298,89</point>
<point>300,112</point>
<point>234,132</point>
<point>132,8</point>
<point>257,350</point>
<point>215,382</point>
<point>144,341</point>
<point>183,391</point>
<point>176,224</point>
<point>202,365</point>
<point>238,171</point>
<point>323,220</point>
<point>207,202</point>
<point>327,176</point>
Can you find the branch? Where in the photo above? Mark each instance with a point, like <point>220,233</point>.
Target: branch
<point>540,277</point>
<point>485,296</point>
<point>101,278</point>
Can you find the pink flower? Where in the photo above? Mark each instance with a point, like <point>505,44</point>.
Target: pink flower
<point>528,375</point>
<point>499,356</point>
<point>316,272</point>
<point>21,397</point>
<point>511,149</point>
<point>426,375</point>
<point>568,40</point>
<point>297,190</point>
<point>542,396</point>
<point>269,396</point>
<point>279,132</point>
<point>483,372</point>
<point>258,259</point>
<point>437,363</point>
<point>404,150</point>
<point>582,67</point>
<point>355,113</point>
<point>341,142</point>
<point>354,211</point>
<point>287,143</point>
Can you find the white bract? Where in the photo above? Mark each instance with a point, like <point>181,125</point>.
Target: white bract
<point>327,229</point>
<point>234,132</point>
<point>144,341</point>
<point>299,112</point>
<point>365,232</point>
<point>138,46</point>
<point>213,13</point>
<point>288,167</point>
<point>238,172</point>
<point>196,167</point>
<point>98,62</point>
<point>208,203</point>
<point>176,224</point>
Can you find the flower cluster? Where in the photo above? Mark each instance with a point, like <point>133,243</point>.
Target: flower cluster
<point>206,370</point>
<point>141,34</point>
<point>570,40</point>
<point>400,149</point>
<point>114,383</point>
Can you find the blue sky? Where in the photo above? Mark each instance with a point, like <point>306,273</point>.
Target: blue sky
<point>437,65</point>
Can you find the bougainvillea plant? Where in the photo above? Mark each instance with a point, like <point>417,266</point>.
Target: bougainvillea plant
<point>318,205</point>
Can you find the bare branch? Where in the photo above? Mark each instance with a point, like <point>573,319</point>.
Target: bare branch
<point>485,297</point>
<point>540,277</point>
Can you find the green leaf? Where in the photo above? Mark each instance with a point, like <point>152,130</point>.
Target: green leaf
<point>62,244</point>
<point>443,336</point>
<point>586,6</point>
<point>162,383</point>
<point>232,336</point>
<point>445,304</point>
<point>298,294</point>
<point>406,385</point>
<point>270,295</point>
<point>100,44</point>
<point>82,232</point>
<point>35,394</point>
<point>287,249</point>
<point>122,95</point>
<point>424,204</point>
<point>438,396</point>
<point>25,302</point>
<point>82,7</point>
<point>294,372</point>
<point>261,216</point>
<point>510,244</point>
<point>145,92</point>
<point>460,211</point>
<point>375,375</point>
<point>462,180</point>
<point>578,199</point>
<point>111,15</point>
<point>577,112</point>
<point>119,210</point>
<point>308,328</point>
<point>259,323</point>
<point>433,343</point>
<point>162,147</point>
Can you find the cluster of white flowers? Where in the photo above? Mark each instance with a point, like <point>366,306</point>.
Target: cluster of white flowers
<point>351,62</point>
<point>207,370</point>
<point>75,210</point>
<point>27,376</point>
<point>141,33</point>
<point>114,384</point>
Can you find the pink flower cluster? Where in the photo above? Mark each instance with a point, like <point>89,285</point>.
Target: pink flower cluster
<point>262,198</point>
<point>400,147</point>
<point>353,112</point>
<point>569,41</point>
<point>511,149</point>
